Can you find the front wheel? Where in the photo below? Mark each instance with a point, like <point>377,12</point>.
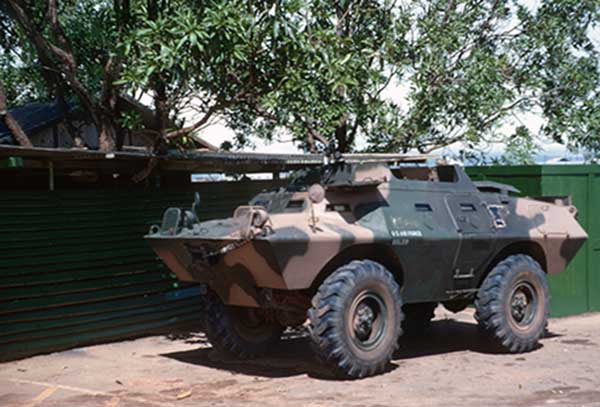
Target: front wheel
<point>356,319</point>
<point>243,332</point>
<point>513,302</point>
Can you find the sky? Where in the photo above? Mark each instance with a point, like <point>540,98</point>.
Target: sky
<point>549,151</point>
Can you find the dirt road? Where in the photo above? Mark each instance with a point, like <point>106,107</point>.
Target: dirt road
<point>451,366</point>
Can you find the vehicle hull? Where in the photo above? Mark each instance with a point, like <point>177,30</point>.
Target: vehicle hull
<point>439,239</point>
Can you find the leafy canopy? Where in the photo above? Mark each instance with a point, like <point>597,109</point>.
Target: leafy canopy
<point>319,70</point>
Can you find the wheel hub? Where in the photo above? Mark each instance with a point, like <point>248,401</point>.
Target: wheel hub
<point>363,321</point>
<point>523,304</point>
<point>519,304</point>
<point>367,320</point>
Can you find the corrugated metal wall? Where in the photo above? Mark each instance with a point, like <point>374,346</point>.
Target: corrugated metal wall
<point>75,270</point>
<point>577,289</point>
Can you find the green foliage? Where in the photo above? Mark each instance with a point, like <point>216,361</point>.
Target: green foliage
<point>131,120</point>
<point>475,64</point>
<point>519,148</point>
<point>19,68</point>
<point>318,70</point>
<point>89,26</point>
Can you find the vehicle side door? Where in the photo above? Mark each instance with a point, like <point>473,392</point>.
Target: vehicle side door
<point>476,235</point>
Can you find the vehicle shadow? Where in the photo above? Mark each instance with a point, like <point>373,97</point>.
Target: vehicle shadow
<point>447,336</point>
<point>293,356</point>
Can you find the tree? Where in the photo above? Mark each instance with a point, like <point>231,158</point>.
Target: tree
<point>468,66</point>
<point>61,64</point>
<point>329,64</point>
<point>74,50</point>
<point>317,70</point>
<point>476,63</point>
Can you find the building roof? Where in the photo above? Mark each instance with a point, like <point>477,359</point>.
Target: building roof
<point>31,117</point>
<point>191,161</point>
<point>36,116</point>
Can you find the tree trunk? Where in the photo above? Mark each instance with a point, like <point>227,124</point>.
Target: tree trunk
<point>11,123</point>
<point>66,66</point>
<point>106,134</point>
<point>159,88</point>
<point>160,107</point>
<point>113,70</point>
<point>64,109</point>
<point>341,131</point>
<point>112,136</point>
<point>341,134</point>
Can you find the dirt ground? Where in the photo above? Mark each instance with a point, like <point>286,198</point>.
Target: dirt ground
<point>451,366</point>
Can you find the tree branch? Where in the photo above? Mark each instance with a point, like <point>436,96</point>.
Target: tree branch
<point>67,67</point>
<point>56,27</point>
<point>491,118</point>
<point>313,134</point>
<point>211,111</point>
<point>11,123</point>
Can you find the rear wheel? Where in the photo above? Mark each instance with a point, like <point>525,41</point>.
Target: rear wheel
<point>356,318</point>
<point>240,331</point>
<point>513,302</point>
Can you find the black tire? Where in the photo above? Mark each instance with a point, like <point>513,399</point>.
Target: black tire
<point>512,304</point>
<point>356,319</point>
<point>243,332</point>
<point>417,318</point>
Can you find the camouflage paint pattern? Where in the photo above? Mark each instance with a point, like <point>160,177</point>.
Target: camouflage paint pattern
<point>436,231</point>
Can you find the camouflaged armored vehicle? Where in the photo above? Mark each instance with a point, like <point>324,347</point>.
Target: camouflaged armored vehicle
<point>360,253</point>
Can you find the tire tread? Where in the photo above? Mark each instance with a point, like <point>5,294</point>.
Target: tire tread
<point>220,332</point>
<point>489,306</point>
<point>324,317</point>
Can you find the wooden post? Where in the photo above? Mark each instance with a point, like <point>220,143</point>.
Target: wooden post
<point>51,175</point>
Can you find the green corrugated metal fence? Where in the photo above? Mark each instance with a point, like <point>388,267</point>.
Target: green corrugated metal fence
<point>74,268</point>
<point>577,289</point>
